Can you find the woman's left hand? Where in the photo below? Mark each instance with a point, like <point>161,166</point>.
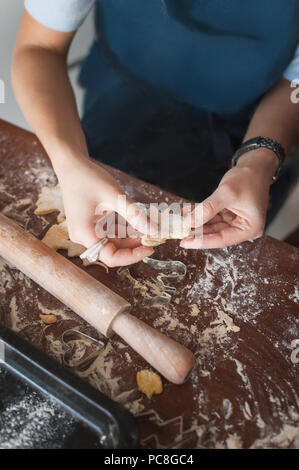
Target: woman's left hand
<point>236,211</point>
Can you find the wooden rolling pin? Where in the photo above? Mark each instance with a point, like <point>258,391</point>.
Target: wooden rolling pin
<point>103,309</point>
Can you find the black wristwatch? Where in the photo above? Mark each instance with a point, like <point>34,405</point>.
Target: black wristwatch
<point>258,142</point>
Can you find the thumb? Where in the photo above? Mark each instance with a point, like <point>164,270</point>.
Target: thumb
<point>207,209</point>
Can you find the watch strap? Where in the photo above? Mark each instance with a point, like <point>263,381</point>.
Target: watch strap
<point>259,142</point>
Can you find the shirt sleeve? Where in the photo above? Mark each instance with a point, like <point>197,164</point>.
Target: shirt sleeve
<point>61,15</point>
<point>292,71</point>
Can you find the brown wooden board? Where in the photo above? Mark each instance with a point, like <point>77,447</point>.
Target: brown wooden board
<point>237,310</point>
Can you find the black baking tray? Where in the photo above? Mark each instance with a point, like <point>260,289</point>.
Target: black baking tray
<point>115,426</point>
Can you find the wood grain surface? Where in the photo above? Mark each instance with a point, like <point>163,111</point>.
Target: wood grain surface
<point>237,310</point>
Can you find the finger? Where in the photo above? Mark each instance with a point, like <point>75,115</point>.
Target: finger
<point>105,226</point>
<point>112,256</point>
<point>228,216</point>
<point>214,228</point>
<point>227,237</point>
<point>187,209</point>
<point>126,242</point>
<point>223,216</point>
<point>207,210</point>
<point>217,218</point>
<point>135,214</point>
<point>83,232</point>
<point>207,228</point>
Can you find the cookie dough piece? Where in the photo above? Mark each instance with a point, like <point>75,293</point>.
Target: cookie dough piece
<point>171,227</point>
<point>151,241</point>
<point>57,238</point>
<point>50,200</point>
<point>48,319</point>
<point>149,383</point>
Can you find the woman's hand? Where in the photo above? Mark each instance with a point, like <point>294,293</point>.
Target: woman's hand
<point>86,187</point>
<point>236,211</point>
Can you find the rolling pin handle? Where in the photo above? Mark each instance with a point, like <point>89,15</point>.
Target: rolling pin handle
<point>168,357</point>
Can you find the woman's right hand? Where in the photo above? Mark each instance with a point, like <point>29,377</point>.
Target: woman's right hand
<point>86,187</point>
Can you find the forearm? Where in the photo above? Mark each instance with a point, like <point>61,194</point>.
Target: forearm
<point>276,117</point>
<point>45,95</point>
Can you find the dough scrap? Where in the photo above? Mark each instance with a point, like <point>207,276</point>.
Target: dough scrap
<point>57,238</point>
<point>149,383</point>
<point>48,319</point>
<point>194,310</point>
<point>171,226</point>
<point>50,200</point>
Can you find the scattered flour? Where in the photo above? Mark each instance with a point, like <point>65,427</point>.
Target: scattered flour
<point>287,437</point>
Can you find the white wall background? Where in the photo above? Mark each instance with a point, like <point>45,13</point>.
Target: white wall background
<point>10,15</point>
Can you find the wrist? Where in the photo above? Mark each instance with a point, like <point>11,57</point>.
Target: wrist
<point>66,160</point>
<point>261,160</point>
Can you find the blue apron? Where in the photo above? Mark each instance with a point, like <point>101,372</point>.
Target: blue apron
<point>212,59</point>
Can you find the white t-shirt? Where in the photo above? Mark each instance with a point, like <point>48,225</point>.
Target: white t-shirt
<point>67,15</point>
<point>61,15</point>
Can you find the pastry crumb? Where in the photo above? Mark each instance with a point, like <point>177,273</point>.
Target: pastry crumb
<point>194,310</point>
<point>48,319</point>
<point>149,383</point>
